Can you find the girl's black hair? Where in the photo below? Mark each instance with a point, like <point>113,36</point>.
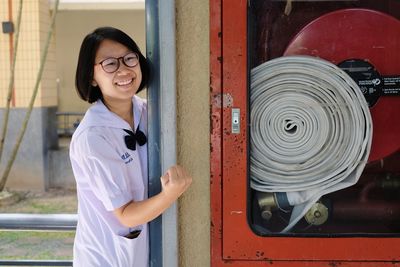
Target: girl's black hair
<point>87,56</point>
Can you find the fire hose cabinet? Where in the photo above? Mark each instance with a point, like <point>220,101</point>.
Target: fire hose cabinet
<point>305,133</point>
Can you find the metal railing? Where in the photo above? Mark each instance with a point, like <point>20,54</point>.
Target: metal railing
<point>68,122</point>
<point>35,263</point>
<point>48,222</point>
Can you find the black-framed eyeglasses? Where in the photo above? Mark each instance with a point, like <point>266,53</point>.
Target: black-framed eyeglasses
<point>111,64</point>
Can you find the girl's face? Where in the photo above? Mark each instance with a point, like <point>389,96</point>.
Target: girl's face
<point>123,83</point>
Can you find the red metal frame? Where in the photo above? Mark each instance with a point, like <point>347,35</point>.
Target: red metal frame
<point>232,241</point>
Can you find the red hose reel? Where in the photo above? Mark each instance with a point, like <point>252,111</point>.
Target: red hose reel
<point>368,36</point>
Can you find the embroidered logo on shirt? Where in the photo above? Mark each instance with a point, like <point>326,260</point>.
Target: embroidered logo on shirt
<point>126,157</point>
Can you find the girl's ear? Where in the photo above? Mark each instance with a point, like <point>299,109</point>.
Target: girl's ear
<point>94,83</point>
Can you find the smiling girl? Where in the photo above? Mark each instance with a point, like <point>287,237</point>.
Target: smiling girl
<point>108,154</point>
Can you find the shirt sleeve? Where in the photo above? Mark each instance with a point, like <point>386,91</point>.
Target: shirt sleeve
<point>105,172</point>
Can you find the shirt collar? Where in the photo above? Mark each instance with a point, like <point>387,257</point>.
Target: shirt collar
<point>99,115</point>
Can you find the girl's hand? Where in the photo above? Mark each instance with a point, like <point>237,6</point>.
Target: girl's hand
<point>175,181</point>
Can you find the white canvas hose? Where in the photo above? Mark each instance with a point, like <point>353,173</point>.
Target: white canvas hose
<point>311,130</point>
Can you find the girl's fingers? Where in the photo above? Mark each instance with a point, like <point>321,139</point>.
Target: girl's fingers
<point>164,178</point>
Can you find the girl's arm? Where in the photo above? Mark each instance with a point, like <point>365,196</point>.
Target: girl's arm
<point>173,184</point>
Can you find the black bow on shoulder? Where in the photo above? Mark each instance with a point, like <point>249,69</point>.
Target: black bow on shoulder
<point>132,138</point>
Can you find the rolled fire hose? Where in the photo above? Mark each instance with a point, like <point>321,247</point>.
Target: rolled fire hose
<point>310,130</point>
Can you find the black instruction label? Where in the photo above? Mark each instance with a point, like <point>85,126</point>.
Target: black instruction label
<point>371,83</point>
<point>366,76</point>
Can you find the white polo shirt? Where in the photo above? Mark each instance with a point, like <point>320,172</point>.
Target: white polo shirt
<point>108,175</point>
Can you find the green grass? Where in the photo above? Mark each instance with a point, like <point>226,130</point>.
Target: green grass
<point>35,245</point>
<point>46,207</point>
<point>42,204</point>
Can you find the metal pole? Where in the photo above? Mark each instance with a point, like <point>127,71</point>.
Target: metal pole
<point>160,23</point>
<point>65,222</point>
<point>35,263</point>
<point>154,147</point>
<point>168,123</point>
